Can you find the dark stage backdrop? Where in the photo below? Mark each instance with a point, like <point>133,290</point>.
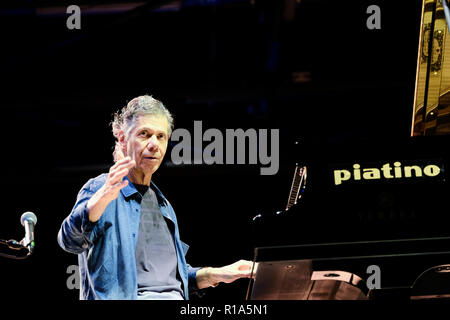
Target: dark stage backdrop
<point>230,65</point>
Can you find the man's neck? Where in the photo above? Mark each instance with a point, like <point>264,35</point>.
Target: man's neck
<point>139,178</point>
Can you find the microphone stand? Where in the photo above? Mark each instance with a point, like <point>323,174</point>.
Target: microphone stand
<point>14,246</point>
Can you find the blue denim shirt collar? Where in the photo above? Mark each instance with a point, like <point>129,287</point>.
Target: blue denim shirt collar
<point>130,190</point>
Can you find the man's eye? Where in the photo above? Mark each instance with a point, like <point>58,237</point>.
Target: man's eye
<point>143,134</point>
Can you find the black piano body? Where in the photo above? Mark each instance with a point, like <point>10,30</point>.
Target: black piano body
<point>378,202</point>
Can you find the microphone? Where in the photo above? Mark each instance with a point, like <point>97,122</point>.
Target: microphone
<point>28,220</point>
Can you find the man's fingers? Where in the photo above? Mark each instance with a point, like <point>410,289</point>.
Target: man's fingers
<point>120,162</point>
<point>121,184</point>
<point>245,274</point>
<point>126,162</point>
<point>245,267</point>
<point>237,275</point>
<point>115,188</point>
<point>117,176</point>
<point>127,165</point>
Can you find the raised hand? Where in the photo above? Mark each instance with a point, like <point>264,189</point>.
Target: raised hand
<point>110,190</point>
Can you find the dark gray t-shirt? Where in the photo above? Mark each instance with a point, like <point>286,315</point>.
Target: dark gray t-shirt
<point>156,257</point>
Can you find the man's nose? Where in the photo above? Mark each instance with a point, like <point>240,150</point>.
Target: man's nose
<point>152,144</point>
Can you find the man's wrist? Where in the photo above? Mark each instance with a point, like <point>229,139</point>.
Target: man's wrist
<point>205,278</point>
<point>96,205</point>
<point>211,281</point>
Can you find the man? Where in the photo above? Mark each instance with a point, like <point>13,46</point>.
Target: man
<point>124,230</point>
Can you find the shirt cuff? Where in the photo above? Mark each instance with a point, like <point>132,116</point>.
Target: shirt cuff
<point>192,278</point>
<point>86,224</point>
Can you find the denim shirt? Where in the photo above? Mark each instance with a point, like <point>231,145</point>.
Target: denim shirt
<point>106,248</point>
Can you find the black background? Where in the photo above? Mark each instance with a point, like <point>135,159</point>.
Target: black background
<point>227,64</point>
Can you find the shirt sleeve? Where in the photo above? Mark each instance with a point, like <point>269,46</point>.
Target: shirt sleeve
<point>192,278</point>
<point>74,234</point>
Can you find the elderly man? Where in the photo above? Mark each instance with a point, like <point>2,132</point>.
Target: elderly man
<point>124,230</point>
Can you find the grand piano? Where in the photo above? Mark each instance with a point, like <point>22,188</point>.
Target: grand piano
<point>368,219</point>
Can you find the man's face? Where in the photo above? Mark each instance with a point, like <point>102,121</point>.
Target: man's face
<point>147,143</point>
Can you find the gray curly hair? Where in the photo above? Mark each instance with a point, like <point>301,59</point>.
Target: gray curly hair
<point>125,118</point>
